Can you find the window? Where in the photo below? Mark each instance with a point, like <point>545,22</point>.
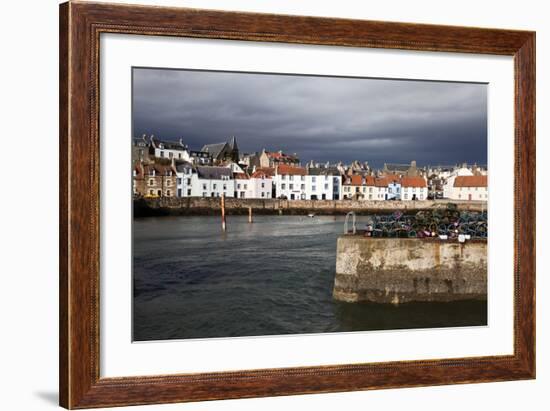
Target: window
<point>151,192</point>
<point>283,186</point>
<point>246,186</point>
<point>189,181</point>
<point>302,186</point>
<point>152,172</point>
<point>170,154</point>
<point>214,186</point>
<point>313,188</point>
<point>189,192</point>
<point>263,194</point>
<point>151,182</point>
<point>370,189</point>
<point>168,193</point>
<point>263,185</point>
<point>406,196</point>
<point>326,186</point>
<point>313,179</point>
<point>370,196</point>
<point>204,194</point>
<point>162,153</point>
<point>291,186</point>
<point>303,178</point>
<point>225,186</point>
<point>204,186</point>
<point>238,186</point>
<point>283,177</point>
<point>179,179</point>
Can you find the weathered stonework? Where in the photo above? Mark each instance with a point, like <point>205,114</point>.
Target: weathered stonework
<point>208,205</point>
<point>398,270</point>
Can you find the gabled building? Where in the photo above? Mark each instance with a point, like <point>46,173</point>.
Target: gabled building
<point>154,180</point>
<point>359,187</point>
<point>213,182</point>
<point>184,179</point>
<point>243,187</point>
<point>469,188</point>
<point>414,188</point>
<point>274,158</point>
<point>223,151</point>
<point>261,182</point>
<point>323,183</point>
<point>290,182</point>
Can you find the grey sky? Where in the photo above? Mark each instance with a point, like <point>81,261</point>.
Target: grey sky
<point>320,118</point>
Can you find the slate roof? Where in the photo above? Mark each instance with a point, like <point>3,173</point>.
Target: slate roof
<point>213,173</point>
<point>323,171</point>
<point>214,149</point>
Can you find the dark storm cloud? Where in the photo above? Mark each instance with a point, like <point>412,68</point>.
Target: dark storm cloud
<point>320,118</point>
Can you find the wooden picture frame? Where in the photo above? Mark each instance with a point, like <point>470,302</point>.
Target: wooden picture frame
<point>80,27</point>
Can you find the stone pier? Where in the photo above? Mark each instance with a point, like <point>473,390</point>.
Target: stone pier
<point>398,270</point>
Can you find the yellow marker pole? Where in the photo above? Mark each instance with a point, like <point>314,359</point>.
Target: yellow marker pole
<point>249,214</point>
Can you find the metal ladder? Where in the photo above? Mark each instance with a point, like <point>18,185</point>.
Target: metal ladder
<point>352,214</point>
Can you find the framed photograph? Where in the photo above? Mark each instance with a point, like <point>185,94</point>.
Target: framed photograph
<point>258,205</point>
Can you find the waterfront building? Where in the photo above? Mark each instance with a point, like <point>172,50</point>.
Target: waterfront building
<point>261,183</point>
<point>323,183</point>
<point>359,187</point>
<point>381,184</point>
<point>413,188</point>
<point>223,151</point>
<point>394,188</point>
<point>448,187</point>
<point>290,182</point>
<point>154,180</point>
<point>210,181</point>
<point>184,179</point>
<point>243,186</point>
<point>469,188</point>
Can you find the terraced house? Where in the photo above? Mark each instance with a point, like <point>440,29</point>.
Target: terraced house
<point>154,180</point>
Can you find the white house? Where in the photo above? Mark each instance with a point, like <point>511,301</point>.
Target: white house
<point>449,182</point>
<point>323,183</point>
<point>212,182</point>
<point>243,186</point>
<point>469,188</point>
<point>413,188</point>
<point>184,179</point>
<point>290,182</point>
<point>261,182</point>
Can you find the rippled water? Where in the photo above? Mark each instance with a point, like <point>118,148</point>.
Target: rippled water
<point>274,276</point>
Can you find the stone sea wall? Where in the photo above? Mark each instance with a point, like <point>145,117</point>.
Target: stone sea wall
<point>399,270</point>
<point>207,206</point>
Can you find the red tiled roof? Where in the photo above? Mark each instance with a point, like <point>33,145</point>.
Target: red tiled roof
<point>290,170</point>
<point>382,182</point>
<point>240,176</point>
<point>359,180</point>
<point>261,173</point>
<point>268,171</point>
<point>471,181</point>
<point>413,182</point>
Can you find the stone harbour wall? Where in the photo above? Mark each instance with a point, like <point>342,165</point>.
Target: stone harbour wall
<point>399,270</point>
<point>209,205</point>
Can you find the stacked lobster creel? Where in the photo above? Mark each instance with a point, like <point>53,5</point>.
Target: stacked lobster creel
<point>446,223</point>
